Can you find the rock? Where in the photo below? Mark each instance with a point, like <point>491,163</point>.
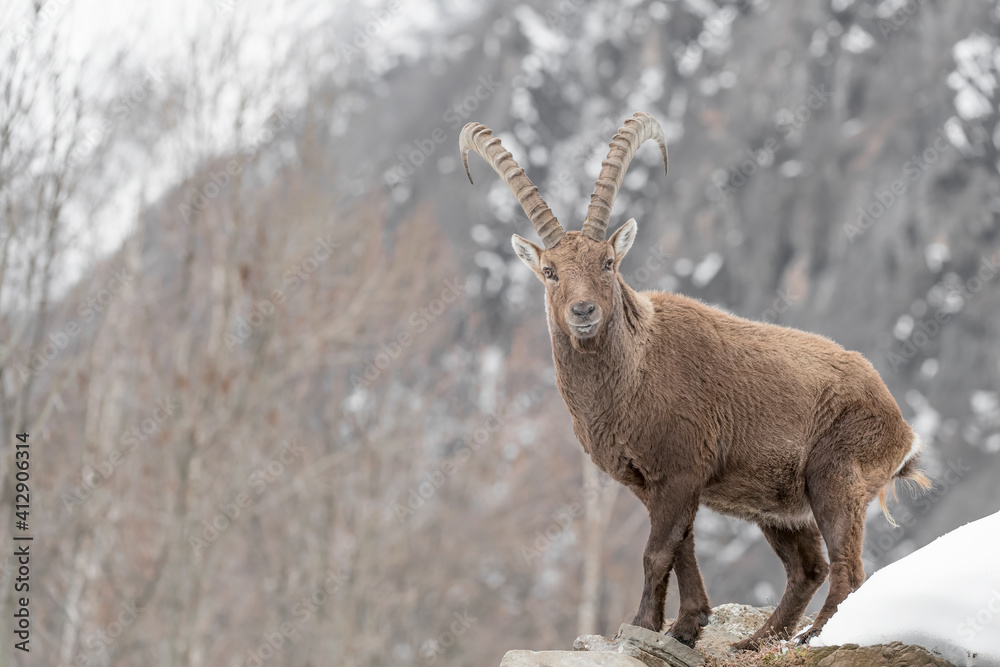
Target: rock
<point>568,659</point>
<point>729,623</point>
<point>594,643</point>
<point>895,654</point>
<point>632,647</point>
<point>667,650</point>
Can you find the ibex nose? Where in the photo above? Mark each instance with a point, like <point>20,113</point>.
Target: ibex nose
<point>583,308</point>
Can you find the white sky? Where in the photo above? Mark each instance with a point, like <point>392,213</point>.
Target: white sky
<point>158,35</point>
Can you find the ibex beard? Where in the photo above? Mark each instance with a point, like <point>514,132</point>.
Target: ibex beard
<point>688,405</point>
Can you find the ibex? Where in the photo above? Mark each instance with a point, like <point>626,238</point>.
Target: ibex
<point>686,404</point>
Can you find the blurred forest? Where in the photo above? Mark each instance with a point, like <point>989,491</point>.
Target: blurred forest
<point>289,392</point>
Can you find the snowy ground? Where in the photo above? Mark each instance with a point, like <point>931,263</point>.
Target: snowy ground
<point>944,597</point>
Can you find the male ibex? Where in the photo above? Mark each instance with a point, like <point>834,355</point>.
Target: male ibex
<point>686,404</point>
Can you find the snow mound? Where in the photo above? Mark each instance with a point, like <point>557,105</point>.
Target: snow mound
<point>944,597</point>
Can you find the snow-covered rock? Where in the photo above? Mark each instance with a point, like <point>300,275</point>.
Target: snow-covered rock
<point>944,597</point>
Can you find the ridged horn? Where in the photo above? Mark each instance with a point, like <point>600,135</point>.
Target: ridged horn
<point>625,143</point>
<point>477,137</point>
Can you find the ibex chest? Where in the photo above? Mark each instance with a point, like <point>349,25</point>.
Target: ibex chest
<point>611,448</point>
<point>603,392</point>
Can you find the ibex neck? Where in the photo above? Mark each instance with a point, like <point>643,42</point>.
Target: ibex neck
<point>589,381</point>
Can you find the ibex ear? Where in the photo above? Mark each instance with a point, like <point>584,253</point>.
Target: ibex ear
<point>529,253</point>
<point>622,239</point>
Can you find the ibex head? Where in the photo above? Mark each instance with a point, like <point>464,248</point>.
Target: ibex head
<point>579,269</point>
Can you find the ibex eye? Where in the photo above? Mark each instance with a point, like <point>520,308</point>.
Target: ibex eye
<point>609,264</point>
<point>548,273</point>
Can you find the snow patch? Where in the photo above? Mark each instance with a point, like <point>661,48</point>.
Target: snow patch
<point>944,597</point>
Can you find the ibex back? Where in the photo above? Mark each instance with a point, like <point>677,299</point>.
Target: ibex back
<point>687,405</point>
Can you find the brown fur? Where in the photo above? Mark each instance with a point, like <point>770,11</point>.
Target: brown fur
<point>688,405</point>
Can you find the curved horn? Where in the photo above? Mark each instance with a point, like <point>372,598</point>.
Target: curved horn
<point>477,137</point>
<point>625,143</point>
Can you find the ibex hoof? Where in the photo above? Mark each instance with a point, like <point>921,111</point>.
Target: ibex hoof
<point>687,640</point>
<point>751,644</point>
<point>803,638</point>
